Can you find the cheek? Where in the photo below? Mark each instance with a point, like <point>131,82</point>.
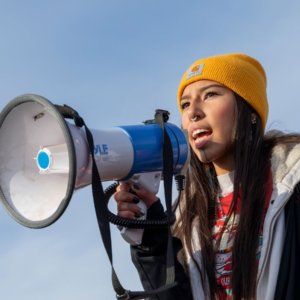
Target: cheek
<point>184,121</point>
<point>225,119</point>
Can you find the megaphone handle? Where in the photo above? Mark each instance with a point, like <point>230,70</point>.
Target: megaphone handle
<point>134,236</point>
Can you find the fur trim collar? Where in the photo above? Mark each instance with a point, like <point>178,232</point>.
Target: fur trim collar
<point>284,158</point>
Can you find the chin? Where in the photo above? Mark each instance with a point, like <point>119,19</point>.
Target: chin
<point>203,156</point>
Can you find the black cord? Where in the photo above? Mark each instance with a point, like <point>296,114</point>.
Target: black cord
<point>133,223</point>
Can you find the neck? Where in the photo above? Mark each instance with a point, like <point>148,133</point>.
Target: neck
<point>224,166</point>
<point>222,170</point>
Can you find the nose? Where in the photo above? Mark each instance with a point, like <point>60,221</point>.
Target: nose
<point>195,113</point>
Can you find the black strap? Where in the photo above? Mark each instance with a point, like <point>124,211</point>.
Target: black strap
<point>161,117</point>
<point>102,212</point>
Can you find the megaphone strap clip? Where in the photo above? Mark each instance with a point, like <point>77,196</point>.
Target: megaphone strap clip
<point>164,114</point>
<point>161,116</point>
<point>70,113</point>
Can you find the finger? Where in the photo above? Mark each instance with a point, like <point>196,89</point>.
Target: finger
<point>148,197</point>
<point>129,207</point>
<point>124,196</point>
<point>123,186</point>
<point>126,214</point>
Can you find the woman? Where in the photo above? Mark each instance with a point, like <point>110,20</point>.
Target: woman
<point>237,232</point>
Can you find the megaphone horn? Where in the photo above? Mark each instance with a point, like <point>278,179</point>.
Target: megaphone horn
<point>44,157</point>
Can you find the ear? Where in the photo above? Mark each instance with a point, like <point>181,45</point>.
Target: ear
<point>253,118</point>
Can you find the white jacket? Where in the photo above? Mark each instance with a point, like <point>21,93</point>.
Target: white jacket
<point>285,165</point>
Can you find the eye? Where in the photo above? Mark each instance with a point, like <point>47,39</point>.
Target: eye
<point>210,94</point>
<point>184,105</point>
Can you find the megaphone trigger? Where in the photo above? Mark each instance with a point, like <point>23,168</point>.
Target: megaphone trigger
<point>150,181</point>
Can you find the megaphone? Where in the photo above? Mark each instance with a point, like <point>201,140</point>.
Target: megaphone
<point>44,158</point>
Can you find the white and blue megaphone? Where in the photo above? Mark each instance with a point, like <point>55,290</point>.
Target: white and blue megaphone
<point>44,158</point>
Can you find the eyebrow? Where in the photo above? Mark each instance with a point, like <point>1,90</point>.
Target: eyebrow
<point>201,90</point>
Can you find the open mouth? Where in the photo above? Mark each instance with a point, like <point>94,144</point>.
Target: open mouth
<point>199,133</point>
<point>201,136</point>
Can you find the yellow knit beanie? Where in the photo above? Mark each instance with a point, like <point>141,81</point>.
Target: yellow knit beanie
<point>239,72</point>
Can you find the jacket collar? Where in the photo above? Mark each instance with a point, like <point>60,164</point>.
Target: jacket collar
<point>285,161</point>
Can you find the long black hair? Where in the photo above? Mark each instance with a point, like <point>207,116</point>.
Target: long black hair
<point>252,152</point>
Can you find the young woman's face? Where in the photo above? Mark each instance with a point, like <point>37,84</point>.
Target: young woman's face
<point>209,116</point>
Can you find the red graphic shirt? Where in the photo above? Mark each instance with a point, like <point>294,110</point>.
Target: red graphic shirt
<point>224,251</point>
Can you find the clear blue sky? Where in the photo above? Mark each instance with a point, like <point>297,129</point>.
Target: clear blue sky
<point>116,62</point>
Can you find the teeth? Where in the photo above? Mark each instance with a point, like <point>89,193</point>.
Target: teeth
<point>198,131</point>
